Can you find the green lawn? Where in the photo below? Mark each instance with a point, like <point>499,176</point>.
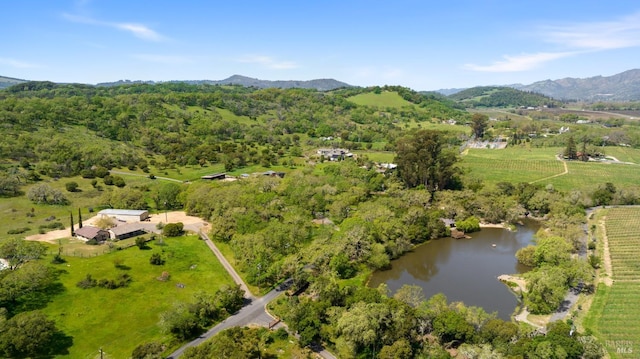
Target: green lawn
<point>118,320</point>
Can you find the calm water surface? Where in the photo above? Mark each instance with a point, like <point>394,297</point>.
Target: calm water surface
<point>464,269</point>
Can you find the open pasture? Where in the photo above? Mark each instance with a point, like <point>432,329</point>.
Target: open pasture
<point>383,99</point>
<point>117,320</point>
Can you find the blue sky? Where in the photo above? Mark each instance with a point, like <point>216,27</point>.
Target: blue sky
<point>424,45</point>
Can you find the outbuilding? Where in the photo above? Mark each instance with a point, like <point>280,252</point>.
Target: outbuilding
<point>125,215</point>
<point>127,230</point>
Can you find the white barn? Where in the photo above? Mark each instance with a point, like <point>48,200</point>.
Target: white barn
<point>125,215</point>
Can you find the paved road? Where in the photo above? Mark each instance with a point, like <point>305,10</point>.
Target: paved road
<point>253,313</point>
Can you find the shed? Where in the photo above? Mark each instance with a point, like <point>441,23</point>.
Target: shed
<point>92,233</point>
<point>215,176</point>
<point>125,215</point>
<point>126,230</point>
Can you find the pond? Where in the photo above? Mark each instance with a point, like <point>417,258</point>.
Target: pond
<point>464,269</point>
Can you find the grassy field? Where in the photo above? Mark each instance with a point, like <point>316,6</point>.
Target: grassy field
<point>118,320</point>
<point>383,99</point>
<point>614,314</point>
<point>20,212</point>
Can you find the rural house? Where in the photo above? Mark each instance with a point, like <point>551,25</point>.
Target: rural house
<point>334,154</point>
<point>92,233</point>
<point>125,215</point>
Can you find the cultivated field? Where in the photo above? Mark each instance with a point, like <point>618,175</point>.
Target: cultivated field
<point>615,314</point>
<point>540,166</point>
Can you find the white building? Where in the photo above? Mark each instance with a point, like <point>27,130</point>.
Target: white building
<point>125,215</point>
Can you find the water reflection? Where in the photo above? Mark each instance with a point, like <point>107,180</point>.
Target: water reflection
<point>464,269</point>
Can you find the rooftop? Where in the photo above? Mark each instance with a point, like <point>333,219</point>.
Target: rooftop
<point>125,212</point>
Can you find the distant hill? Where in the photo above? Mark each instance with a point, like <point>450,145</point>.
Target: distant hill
<point>499,96</point>
<point>9,81</point>
<point>319,84</point>
<point>624,86</point>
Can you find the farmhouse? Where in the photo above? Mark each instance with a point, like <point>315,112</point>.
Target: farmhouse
<point>92,233</point>
<point>334,154</point>
<point>274,174</point>
<point>126,230</point>
<point>125,215</point>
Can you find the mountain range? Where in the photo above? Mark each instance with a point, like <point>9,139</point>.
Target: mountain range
<point>319,84</point>
<point>624,86</point>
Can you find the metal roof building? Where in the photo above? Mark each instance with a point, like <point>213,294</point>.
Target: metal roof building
<point>125,215</point>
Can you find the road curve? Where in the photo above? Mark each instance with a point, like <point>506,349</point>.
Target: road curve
<point>253,313</point>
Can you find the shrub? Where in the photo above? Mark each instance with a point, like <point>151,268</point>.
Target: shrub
<point>18,230</point>
<point>52,225</point>
<point>101,172</point>
<point>156,259</point>
<point>108,180</point>
<point>119,181</point>
<point>141,242</point>
<point>173,229</point>
<point>151,350</point>
<point>87,282</point>
<point>87,173</point>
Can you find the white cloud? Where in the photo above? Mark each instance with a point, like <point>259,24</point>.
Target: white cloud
<point>268,62</point>
<point>573,39</point>
<point>17,63</point>
<point>138,30</point>
<point>518,63</point>
<point>596,36</point>
<point>164,59</point>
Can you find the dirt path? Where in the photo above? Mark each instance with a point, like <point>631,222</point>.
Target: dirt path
<point>566,170</point>
<point>521,288</point>
<point>607,279</point>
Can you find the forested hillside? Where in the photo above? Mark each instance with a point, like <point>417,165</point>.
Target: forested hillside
<point>182,124</point>
<point>502,97</point>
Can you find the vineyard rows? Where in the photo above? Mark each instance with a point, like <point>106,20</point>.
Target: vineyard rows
<point>620,317</point>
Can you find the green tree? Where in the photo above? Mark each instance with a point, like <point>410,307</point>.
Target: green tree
<point>423,160</point>
<point>43,193</point>
<point>28,334</point>
<point>167,196</point>
<point>17,252</point>
<point>570,151</point>
<point>479,124</point>
<point>546,288</point>
<point>451,326</point>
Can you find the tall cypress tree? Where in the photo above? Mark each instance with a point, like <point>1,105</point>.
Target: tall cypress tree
<point>79,218</point>
<point>72,232</point>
